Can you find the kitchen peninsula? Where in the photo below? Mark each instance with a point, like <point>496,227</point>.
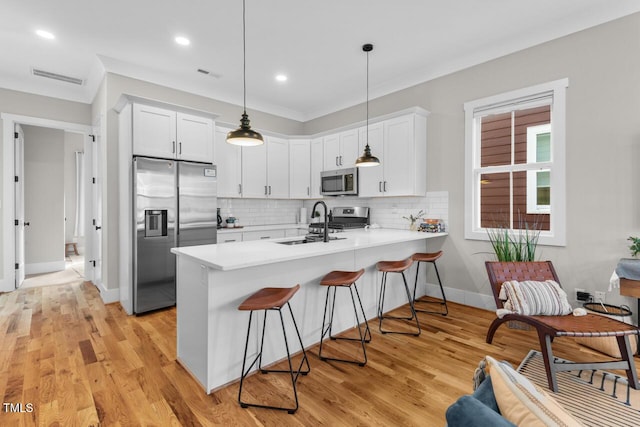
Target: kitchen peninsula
<point>212,280</point>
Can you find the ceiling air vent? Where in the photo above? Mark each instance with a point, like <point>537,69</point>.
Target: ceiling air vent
<point>54,76</point>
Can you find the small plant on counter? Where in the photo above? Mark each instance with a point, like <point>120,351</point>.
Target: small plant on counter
<point>413,218</point>
<point>635,246</point>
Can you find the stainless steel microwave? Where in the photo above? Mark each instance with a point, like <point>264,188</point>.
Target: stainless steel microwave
<point>340,182</point>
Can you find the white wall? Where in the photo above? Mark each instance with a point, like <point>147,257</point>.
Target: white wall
<point>44,200</point>
<point>72,142</point>
<point>603,149</point>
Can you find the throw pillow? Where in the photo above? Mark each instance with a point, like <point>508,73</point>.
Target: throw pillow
<point>522,402</point>
<point>531,298</point>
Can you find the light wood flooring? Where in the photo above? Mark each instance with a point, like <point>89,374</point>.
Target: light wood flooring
<point>81,363</point>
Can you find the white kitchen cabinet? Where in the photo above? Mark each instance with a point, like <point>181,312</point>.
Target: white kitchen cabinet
<point>265,169</point>
<point>317,163</point>
<point>401,145</point>
<point>262,235</point>
<point>341,150</point>
<point>229,164</point>
<point>371,179</point>
<point>228,237</point>
<point>299,169</point>
<point>164,133</point>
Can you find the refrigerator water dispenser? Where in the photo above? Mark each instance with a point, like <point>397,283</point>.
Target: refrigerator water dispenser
<point>155,223</point>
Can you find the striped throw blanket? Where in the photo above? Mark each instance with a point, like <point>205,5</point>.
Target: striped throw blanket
<point>531,298</point>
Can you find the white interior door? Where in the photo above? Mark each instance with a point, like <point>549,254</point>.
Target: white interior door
<point>96,202</point>
<point>19,204</point>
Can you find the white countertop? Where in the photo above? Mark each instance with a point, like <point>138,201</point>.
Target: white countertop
<point>236,255</point>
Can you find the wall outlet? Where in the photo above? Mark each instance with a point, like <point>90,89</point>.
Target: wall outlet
<point>600,296</point>
<point>578,298</point>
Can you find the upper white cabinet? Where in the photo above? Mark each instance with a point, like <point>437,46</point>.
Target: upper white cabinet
<point>341,150</point>
<point>265,169</point>
<point>160,132</point>
<point>317,166</point>
<point>299,169</point>
<point>229,164</point>
<point>401,145</point>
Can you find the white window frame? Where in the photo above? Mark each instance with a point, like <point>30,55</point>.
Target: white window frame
<point>505,102</point>
<point>532,175</point>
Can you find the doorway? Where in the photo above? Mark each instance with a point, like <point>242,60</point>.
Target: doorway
<point>50,169</point>
<point>14,264</point>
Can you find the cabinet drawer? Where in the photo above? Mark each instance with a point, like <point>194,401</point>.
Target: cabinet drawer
<point>262,235</point>
<point>230,237</point>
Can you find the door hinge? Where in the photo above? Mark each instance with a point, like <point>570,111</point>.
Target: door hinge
<point>93,180</point>
<point>93,221</point>
<point>17,222</point>
<point>16,135</point>
<point>16,179</point>
<point>93,262</point>
<point>17,266</point>
<point>93,138</point>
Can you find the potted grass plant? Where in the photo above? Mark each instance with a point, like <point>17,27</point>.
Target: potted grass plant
<point>515,244</point>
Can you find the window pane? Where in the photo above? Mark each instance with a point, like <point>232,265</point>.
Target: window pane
<point>524,119</point>
<point>543,147</point>
<point>522,217</point>
<point>495,140</point>
<point>494,200</point>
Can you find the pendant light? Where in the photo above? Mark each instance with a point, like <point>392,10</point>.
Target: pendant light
<point>244,135</point>
<point>367,159</point>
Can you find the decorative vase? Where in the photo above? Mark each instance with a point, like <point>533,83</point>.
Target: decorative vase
<point>413,226</point>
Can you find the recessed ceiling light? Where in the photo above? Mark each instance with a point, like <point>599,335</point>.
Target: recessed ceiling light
<point>45,34</point>
<point>183,41</point>
<point>281,78</point>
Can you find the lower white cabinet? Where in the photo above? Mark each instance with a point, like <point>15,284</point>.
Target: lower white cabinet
<point>262,235</point>
<point>234,236</point>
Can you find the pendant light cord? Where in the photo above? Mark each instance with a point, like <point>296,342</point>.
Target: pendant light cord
<point>367,98</point>
<point>244,59</point>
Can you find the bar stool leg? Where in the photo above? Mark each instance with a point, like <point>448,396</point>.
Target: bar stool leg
<point>444,298</point>
<point>364,337</point>
<point>293,373</point>
<point>413,316</point>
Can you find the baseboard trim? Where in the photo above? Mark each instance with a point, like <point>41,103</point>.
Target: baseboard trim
<point>460,296</point>
<point>44,267</point>
<point>108,295</point>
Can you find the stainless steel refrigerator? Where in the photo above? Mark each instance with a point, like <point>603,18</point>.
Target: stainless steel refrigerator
<point>174,204</point>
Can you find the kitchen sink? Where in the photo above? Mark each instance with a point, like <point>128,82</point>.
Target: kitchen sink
<point>308,239</point>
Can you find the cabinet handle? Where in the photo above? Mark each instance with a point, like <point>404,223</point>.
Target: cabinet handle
<point>230,240</point>
<point>337,161</point>
<point>340,160</point>
<point>269,190</point>
<point>380,186</point>
<point>384,186</point>
<point>180,148</point>
<point>265,237</point>
<point>173,146</point>
<point>265,190</point>
<point>308,191</point>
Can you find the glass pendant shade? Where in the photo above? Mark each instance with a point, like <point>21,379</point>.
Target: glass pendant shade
<point>244,135</point>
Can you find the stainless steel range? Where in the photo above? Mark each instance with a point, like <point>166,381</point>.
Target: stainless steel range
<point>343,218</point>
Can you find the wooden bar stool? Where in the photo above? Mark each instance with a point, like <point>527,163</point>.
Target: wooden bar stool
<point>429,257</point>
<point>395,267</point>
<point>270,299</point>
<point>344,279</point>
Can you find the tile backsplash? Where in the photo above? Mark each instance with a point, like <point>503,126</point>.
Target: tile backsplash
<point>388,212</point>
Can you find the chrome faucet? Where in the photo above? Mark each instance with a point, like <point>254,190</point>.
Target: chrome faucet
<point>326,219</point>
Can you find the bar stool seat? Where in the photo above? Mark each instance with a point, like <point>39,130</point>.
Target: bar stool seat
<point>430,257</point>
<point>272,299</point>
<point>395,267</point>
<point>344,279</point>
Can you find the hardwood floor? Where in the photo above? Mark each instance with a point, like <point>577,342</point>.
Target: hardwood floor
<point>69,360</point>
